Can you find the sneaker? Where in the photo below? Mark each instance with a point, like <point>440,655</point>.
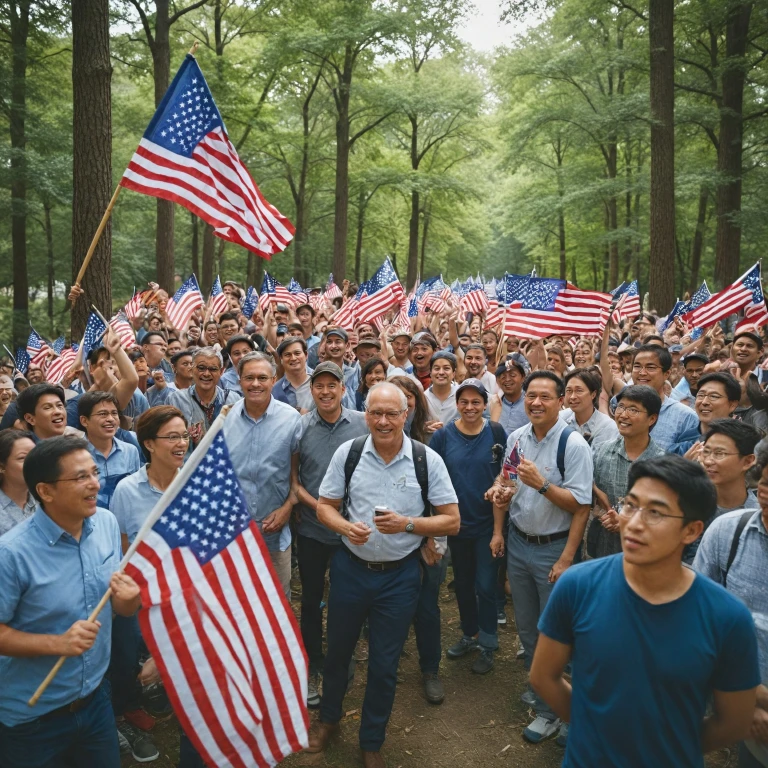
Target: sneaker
<point>142,748</point>
<point>433,688</point>
<point>313,694</point>
<point>463,647</point>
<point>155,700</point>
<point>501,616</point>
<point>520,653</point>
<point>540,729</point>
<point>140,719</point>
<point>562,736</point>
<point>484,662</point>
<point>529,697</point>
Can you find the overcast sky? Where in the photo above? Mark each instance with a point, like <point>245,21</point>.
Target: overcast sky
<point>484,31</point>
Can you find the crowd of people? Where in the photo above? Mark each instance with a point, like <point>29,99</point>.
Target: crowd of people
<point>372,457</point>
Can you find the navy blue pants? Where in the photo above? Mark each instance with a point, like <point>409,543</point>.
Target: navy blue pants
<point>426,623</point>
<point>388,600</point>
<point>124,668</point>
<point>84,738</point>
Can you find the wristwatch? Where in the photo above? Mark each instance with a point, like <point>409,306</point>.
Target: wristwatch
<point>409,526</point>
<point>544,488</point>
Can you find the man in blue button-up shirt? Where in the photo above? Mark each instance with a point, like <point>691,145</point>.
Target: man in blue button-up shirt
<point>54,569</point>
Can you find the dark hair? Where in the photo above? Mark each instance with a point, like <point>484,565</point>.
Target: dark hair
<point>420,412</point>
<point>696,495</point>
<point>490,330</point>
<point>651,338</point>
<point>136,354</point>
<point>42,462</point>
<point>550,375</point>
<point>8,438</point>
<point>228,316</point>
<point>87,402</point>
<point>729,382</point>
<point>149,423</point>
<point>647,396</point>
<point>210,322</point>
<point>96,353</point>
<point>27,400</point>
<point>590,379</point>
<point>662,354</point>
<point>443,355</point>
<point>148,336</point>
<point>744,435</point>
<point>236,339</point>
<point>366,369</point>
<point>181,353</point>
<point>295,327</point>
<point>476,346</point>
<point>287,342</point>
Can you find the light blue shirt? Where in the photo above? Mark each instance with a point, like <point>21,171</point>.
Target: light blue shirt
<point>598,426</point>
<point>261,451</point>
<point>230,380</point>
<point>394,486</point>
<point>123,460</point>
<point>529,510</point>
<point>137,406</point>
<point>296,397</point>
<point>197,422</point>
<point>133,500</point>
<point>674,419</point>
<point>12,514</point>
<point>682,391</point>
<point>48,581</point>
<point>162,396</point>
<point>513,415</point>
<point>352,377</point>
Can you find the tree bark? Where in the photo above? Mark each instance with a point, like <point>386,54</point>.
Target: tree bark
<point>195,245</point>
<point>361,206</point>
<point>729,154</point>
<point>697,246</point>
<point>49,254</point>
<point>92,155</point>
<point>662,188</point>
<point>206,276</point>
<point>19,21</point>
<point>341,201</point>
<point>413,228</point>
<point>424,232</point>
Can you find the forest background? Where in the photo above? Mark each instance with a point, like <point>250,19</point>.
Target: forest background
<point>379,132</point>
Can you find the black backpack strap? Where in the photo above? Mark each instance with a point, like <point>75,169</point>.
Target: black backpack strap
<point>743,520</point>
<point>499,435</point>
<point>562,442</point>
<point>353,459</point>
<point>422,473</point>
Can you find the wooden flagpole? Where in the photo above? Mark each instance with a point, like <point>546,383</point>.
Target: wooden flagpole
<point>162,504</point>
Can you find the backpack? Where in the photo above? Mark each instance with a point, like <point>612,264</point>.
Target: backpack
<point>742,524</point>
<point>561,444</point>
<point>419,466</point>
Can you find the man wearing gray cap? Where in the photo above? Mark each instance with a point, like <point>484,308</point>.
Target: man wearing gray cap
<point>508,406</point>
<point>324,429</point>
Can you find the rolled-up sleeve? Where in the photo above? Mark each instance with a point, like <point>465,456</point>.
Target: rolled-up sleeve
<point>10,586</point>
<point>441,489</point>
<point>579,470</point>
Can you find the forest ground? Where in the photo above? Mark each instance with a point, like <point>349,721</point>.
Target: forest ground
<point>480,723</point>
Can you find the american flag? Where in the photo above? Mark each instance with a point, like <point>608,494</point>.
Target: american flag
<point>494,315</point>
<point>184,303</point>
<point>299,295</point>
<point>215,619</point>
<point>435,302</point>
<point>677,310</point>
<point>133,306</point>
<point>346,315</point>
<point>37,348</point>
<point>120,325</point>
<point>272,291</point>
<point>413,306</point>
<point>474,300</point>
<point>59,345</point>
<point>381,292</point>
<point>746,293</point>
<point>332,291</point>
<point>22,360</point>
<point>317,301</point>
<point>94,330</point>
<point>59,367</point>
<point>219,301</point>
<point>250,302</point>
<point>402,320</point>
<point>186,156</point>
<point>628,304</point>
<point>552,306</point>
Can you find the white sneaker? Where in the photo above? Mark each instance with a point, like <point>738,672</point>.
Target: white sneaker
<point>541,729</point>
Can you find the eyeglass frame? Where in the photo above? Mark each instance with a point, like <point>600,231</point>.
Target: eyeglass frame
<point>649,521</point>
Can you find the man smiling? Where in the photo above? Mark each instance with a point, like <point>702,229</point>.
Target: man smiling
<point>43,408</point>
<point>293,388</point>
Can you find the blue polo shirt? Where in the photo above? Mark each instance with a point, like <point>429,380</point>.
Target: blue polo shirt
<point>133,500</point>
<point>123,460</point>
<point>48,581</point>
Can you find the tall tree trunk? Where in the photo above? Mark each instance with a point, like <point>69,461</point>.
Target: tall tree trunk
<point>424,232</point>
<point>195,245</point>
<point>729,153</point>
<point>697,246</point>
<point>251,270</point>
<point>361,206</point>
<point>206,278</point>
<point>413,228</point>
<point>613,216</point>
<point>92,154</point>
<point>561,211</point>
<point>341,202</point>
<point>627,265</point>
<point>221,260</point>
<point>49,254</point>
<point>662,190</point>
<point>19,17</point>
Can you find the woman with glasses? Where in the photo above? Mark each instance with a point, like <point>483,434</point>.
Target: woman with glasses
<point>16,502</point>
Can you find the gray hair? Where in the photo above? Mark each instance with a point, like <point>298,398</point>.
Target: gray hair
<point>208,352</point>
<point>389,387</point>
<point>253,357</point>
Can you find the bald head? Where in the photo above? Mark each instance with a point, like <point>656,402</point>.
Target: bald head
<point>385,395</point>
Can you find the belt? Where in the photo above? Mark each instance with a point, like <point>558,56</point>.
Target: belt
<point>532,539</point>
<point>385,566</point>
<point>69,709</point>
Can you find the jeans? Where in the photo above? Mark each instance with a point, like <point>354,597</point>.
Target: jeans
<point>189,757</point>
<point>388,600</point>
<point>85,739</point>
<point>281,562</point>
<point>124,663</point>
<point>426,623</point>
<point>528,566</point>
<point>475,572</point>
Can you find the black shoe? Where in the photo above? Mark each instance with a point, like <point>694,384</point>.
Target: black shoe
<point>433,688</point>
<point>483,663</point>
<point>501,616</point>
<point>141,747</point>
<point>155,700</point>
<point>462,647</point>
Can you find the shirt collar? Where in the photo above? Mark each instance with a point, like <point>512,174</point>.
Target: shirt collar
<point>406,450</point>
<point>270,410</point>
<point>316,418</point>
<point>53,532</point>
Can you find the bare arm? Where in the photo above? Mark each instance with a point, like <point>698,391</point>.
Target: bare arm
<point>731,721</point>
<point>124,388</point>
<point>549,662</point>
<point>74,642</point>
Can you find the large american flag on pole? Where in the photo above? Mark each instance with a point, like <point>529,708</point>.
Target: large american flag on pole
<point>215,618</point>
<point>186,156</point>
<point>184,303</point>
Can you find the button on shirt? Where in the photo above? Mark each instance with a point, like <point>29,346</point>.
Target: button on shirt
<point>530,510</point>
<point>261,451</point>
<point>48,581</point>
<point>442,410</point>
<point>11,514</point>
<point>133,500</point>
<point>123,460</point>
<point>319,441</point>
<point>600,427</point>
<point>296,397</point>
<point>674,419</point>
<point>513,415</point>
<point>394,486</point>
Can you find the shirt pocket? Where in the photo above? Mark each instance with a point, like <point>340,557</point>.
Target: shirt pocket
<point>408,499</point>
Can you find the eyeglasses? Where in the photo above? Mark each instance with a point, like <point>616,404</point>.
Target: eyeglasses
<point>261,379</point>
<point>206,369</point>
<point>718,455</point>
<point>713,397</point>
<point>80,479</point>
<point>649,516</point>
<point>646,368</point>
<point>174,437</point>
<point>106,414</point>
<point>388,415</point>
<point>629,410</point>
